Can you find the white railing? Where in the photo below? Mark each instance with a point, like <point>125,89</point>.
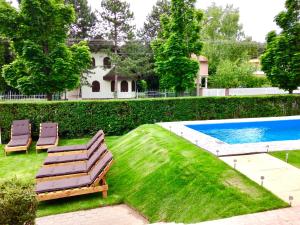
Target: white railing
<point>246,91</point>
<point>11,96</point>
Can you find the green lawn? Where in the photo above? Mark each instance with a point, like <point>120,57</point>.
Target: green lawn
<point>294,157</point>
<point>162,176</point>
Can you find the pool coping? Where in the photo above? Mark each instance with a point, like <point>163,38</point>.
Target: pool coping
<point>220,148</point>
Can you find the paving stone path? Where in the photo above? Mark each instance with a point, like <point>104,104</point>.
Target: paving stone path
<point>280,178</point>
<point>111,215</point>
<point>288,216</point>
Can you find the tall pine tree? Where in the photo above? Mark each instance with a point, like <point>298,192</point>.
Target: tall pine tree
<point>85,19</point>
<point>152,25</point>
<point>116,21</point>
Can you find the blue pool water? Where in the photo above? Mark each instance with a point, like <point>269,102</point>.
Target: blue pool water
<point>252,132</point>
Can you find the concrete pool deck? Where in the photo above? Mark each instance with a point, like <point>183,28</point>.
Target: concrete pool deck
<point>220,148</point>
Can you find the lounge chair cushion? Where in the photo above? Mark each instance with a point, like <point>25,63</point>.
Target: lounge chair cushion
<point>77,182</point>
<point>63,184</point>
<point>69,148</point>
<point>65,158</point>
<point>100,166</point>
<point>16,141</point>
<point>48,130</point>
<point>46,141</point>
<point>20,127</point>
<point>94,139</point>
<point>62,170</point>
<point>72,169</point>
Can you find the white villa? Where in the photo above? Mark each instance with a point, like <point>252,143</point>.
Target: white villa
<point>101,77</point>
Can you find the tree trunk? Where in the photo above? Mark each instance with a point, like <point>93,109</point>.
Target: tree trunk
<point>49,97</point>
<point>116,52</point>
<point>116,86</point>
<point>291,91</point>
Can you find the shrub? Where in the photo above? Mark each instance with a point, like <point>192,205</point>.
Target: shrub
<point>115,117</point>
<point>18,203</point>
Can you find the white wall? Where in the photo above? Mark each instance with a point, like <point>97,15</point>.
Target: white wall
<point>97,74</point>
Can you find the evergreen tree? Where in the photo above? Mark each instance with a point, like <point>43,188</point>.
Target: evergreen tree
<point>281,60</point>
<point>152,25</point>
<point>116,21</point>
<point>85,19</point>
<point>177,41</point>
<point>43,63</point>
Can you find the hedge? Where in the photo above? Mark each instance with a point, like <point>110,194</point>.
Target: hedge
<point>18,204</point>
<point>115,117</point>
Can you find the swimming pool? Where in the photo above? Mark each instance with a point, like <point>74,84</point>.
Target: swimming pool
<point>251,132</point>
<point>240,136</point>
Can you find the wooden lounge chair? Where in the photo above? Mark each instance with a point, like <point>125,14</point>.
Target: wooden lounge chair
<point>20,137</point>
<point>48,136</point>
<point>87,184</point>
<point>75,170</point>
<point>73,149</point>
<point>74,158</point>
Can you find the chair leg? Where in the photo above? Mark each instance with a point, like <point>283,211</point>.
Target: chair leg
<point>104,194</point>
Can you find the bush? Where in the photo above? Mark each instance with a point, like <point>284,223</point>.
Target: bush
<point>18,204</point>
<point>115,117</point>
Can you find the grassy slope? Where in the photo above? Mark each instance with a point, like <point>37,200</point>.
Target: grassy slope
<point>164,177</point>
<point>294,157</point>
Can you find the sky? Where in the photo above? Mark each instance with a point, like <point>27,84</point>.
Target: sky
<point>257,16</point>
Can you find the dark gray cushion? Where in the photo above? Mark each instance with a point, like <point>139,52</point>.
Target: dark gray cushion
<point>16,141</point>
<point>96,156</point>
<point>62,170</point>
<point>63,184</point>
<point>96,136</point>
<point>68,148</point>
<point>100,166</point>
<point>65,158</point>
<point>20,127</point>
<point>46,141</point>
<point>48,130</point>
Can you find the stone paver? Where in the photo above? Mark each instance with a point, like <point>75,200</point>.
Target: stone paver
<point>111,215</point>
<point>288,216</point>
<point>280,178</point>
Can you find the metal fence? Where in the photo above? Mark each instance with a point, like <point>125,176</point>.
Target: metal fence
<point>13,96</point>
<point>208,92</point>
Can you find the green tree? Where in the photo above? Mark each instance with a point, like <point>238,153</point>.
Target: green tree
<point>281,60</point>
<point>217,51</point>
<point>152,25</point>
<point>222,23</point>
<point>224,38</point>
<point>85,19</point>
<point>116,22</point>
<point>5,58</point>
<point>177,41</point>
<point>236,74</point>
<point>43,63</point>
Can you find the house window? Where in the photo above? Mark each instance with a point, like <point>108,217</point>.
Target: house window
<point>133,86</point>
<point>112,86</point>
<point>106,63</point>
<point>93,62</point>
<point>124,86</point>
<point>95,86</point>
